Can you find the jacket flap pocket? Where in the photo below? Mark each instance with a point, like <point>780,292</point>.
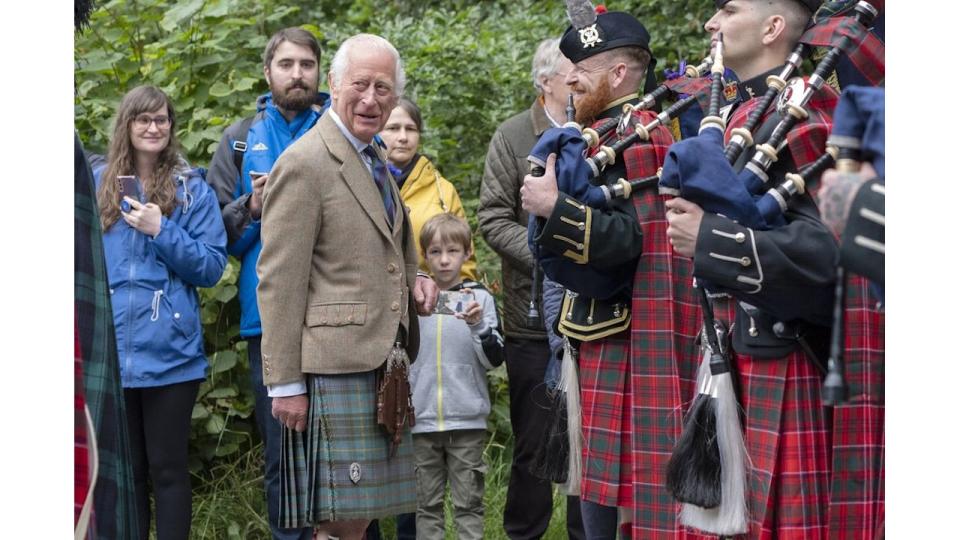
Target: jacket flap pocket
<point>337,314</point>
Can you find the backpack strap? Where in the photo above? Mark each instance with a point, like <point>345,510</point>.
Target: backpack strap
<point>240,143</point>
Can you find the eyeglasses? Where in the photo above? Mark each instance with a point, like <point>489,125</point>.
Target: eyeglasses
<point>143,121</point>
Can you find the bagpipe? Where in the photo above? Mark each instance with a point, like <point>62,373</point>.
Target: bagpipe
<point>579,175</point>
<point>707,470</point>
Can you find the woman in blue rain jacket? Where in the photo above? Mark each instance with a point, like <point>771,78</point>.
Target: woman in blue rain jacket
<point>163,238</point>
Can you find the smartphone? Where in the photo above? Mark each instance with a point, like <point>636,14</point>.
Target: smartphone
<point>453,302</point>
<point>128,186</point>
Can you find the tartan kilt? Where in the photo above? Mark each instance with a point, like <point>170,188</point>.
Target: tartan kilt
<point>666,320</point>
<point>606,424</point>
<point>342,433</point>
<point>857,486</point>
<point>788,441</point>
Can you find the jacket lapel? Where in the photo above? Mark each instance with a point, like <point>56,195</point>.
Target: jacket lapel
<point>355,174</point>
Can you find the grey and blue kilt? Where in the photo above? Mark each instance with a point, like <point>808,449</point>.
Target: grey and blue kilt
<point>340,467</point>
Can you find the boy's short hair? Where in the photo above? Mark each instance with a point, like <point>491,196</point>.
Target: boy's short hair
<point>450,227</point>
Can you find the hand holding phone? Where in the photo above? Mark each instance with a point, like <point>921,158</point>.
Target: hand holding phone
<point>257,181</point>
<point>453,302</point>
<point>128,186</point>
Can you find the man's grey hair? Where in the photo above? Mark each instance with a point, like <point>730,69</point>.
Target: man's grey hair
<point>366,41</point>
<point>545,61</point>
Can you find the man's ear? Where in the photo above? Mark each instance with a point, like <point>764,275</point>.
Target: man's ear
<point>334,91</point>
<point>266,75</point>
<point>619,74</point>
<point>773,29</point>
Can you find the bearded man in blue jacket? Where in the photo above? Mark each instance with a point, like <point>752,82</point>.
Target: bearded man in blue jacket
<point>238,173</point>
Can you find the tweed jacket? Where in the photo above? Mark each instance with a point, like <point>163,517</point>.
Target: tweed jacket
<point>335,277</point>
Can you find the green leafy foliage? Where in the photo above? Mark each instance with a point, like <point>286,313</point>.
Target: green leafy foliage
<point>468,67</point>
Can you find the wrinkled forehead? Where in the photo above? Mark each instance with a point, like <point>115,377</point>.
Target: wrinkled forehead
<point>376,64</point>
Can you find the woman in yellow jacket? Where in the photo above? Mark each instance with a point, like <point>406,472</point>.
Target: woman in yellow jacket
<point>424,192</point>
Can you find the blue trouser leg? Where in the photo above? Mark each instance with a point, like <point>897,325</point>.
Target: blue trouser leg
<point>270,433</point>
<point>599,521</point>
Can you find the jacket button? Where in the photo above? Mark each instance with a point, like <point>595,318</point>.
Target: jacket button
<point>395,306</point>
<point>580,247</point>
<point>745,261</point>
<point>581,225</point>
<point>753,332</point>
<point>176,315</point>
<point>349,318</point>
<point>740,237</point>
<point>391,268</point>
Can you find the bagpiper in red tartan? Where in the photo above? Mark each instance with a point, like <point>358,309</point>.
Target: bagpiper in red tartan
<point>786,426</point>
<point>631,400</point>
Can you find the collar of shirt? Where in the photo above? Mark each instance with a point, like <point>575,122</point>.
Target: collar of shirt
<point>358,145</point>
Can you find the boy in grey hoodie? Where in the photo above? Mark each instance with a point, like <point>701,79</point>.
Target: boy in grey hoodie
<point>459,342</point>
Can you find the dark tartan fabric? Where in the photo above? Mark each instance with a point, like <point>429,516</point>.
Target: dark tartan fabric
<point>114,512</point>
<point>857,486</point>
<point>342,434</point>
<point>632,387</point>
<point>864,49</point>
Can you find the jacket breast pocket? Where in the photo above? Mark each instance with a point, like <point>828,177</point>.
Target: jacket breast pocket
<point>337,314</point>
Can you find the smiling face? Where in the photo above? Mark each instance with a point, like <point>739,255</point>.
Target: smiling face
<point>365,95</point>
<point>150,131</point>
<point>293,76</point>
<point>589,81</point>
<point>402,137</point>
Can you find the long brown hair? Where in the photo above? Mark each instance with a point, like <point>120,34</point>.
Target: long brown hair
<point>161,189</point>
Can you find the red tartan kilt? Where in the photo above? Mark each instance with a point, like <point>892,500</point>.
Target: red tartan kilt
<point>606,403</point>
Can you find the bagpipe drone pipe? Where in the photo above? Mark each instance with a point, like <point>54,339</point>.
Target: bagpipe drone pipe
<point>702,170</point>
<point>707,471</point>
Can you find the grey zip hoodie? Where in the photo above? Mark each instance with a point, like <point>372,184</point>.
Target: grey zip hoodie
<point>449,377</point>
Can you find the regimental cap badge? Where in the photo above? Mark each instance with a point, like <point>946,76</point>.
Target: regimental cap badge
<point>590,36</point>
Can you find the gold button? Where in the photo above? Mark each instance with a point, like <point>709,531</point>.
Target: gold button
<point>391,268</point>
<point>740,237</point>
<point>745,261</point>
<point>580,247</point>
<point>395,306</point>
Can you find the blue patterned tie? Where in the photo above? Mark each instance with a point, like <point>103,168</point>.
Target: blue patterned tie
<point>381,178</point>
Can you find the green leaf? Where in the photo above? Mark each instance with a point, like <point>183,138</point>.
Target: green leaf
<point>179,13</point>
<point>220,89</point>
<point>223,361</point>
<point>199,412</point>
<point>215,424</point>
<point>223,392</point>
<point>226,293</point>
